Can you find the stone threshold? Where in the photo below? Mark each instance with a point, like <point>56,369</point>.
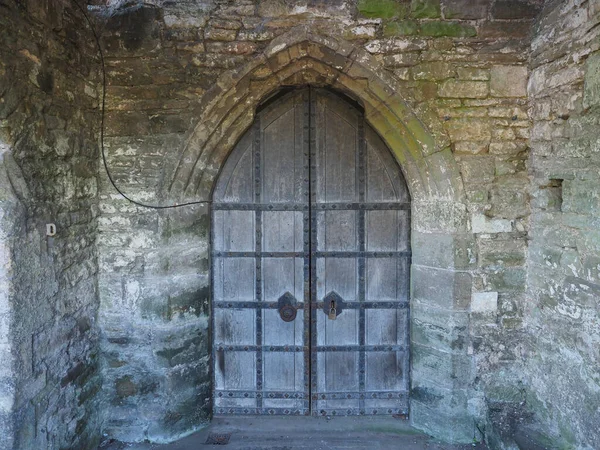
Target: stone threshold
<point>305,433</point>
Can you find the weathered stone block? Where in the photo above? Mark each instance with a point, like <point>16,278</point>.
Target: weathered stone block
<point>401,28</point>
<point>272,8</point>
<point>361,32</point>
<point>463,89</point>
<point>226,24</point>
<point>455,426</point>
<point>471,148</point>
<point>443,250</point>
<point>439,328</point>
<point>515,9</point>
<point>477,169</point>
<point>125,387</point>
<point>452,29</point>
<point>233,48</point>
<point>377,46</point>
<point>509,201</point>
<point>465,9</point>
<point>438,70</point>
<point>473,73</point>
<point>477,195</point>
<point>401,60</point>
<point>439,216</point>
<point>502,252</point>
<point>469,130</point>
<point>591,93</point>
<point>508,81</point>
<point>509,279</point>
<point>484,302</point>
<point>220,34</point>
<point>582,197</point>
<point>447,370</point>
<point>441,287</point>
<point>483,224</point>
<point>494,29</point>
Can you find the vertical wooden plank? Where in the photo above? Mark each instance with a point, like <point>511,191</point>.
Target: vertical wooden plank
<point>234,279</point>
<point>240,188</point>
<point>382,170</point>
<point>382,230</point>
<point>236,180</point>
<point>232,231</point>
<point>380,187</point>
<point>403,231</point>
<point>337,180</point>
<point>336,230</point>
<point>313,148</point>
<point>382,282</point>
<point>282,231</point>
<point>278,158</point>
<point>238,371</point>
<point>304,364</point>
<point>387,280</point>
<point>283,165</point>
<point>336,142</point>
<point>234,326</point>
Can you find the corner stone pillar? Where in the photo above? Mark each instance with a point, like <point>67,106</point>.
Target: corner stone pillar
<point>441,283</point>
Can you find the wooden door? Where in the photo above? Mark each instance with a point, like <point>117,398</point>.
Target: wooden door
<point>310,209</point>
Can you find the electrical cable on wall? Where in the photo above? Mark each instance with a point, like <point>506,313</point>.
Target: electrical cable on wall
<point>102,150</point>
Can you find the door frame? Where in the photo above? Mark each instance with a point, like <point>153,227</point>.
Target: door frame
<point>311,292</point>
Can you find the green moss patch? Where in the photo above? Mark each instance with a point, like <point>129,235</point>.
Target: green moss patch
<point>384,9</point>
<point>401,28</point>
<point>425,9</point>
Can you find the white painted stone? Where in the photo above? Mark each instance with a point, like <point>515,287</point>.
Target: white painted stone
<point>483,224</point>
<point>484,302</point>
<point>6,403</point>
<point>364,31</point>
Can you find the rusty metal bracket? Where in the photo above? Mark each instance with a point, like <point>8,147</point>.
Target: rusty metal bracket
<point>287,307</point>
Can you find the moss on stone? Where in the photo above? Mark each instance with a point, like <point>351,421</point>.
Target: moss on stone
<point>425,9</point>
<point>401,28</point>
<point>452,29</point>
<point>384,9</point>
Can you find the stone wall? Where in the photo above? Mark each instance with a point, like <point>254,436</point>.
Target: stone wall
<point>49,376</point>
<point>563,311</point>
<point>460,66</point>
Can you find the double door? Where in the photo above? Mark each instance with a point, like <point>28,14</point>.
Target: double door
<point>310,265</point>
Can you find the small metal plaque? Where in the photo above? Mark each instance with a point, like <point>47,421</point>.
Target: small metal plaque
<point>218,439</point>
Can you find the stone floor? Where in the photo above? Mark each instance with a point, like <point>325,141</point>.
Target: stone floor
<point>305,433</point>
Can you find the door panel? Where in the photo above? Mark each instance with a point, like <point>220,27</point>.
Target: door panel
<point>260,229</point>
<point>310,208</point>
<point>336,141</point>
<point>360,259</point>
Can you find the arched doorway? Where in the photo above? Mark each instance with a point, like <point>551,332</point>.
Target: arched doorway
<point>311,258</point>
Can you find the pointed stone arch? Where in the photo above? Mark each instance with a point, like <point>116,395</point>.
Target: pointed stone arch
<point>442,371</point>
<point>416,137</point>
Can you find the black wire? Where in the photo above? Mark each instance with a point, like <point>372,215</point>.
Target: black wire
<point>112,181</point>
